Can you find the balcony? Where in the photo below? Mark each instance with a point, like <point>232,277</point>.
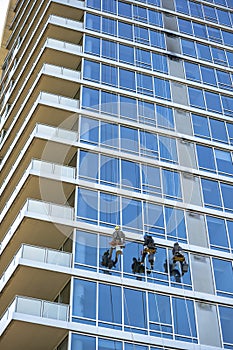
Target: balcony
<point>33,324</point>
<point>31,268</point>
<point>41,180</point>
<point>37,223</point>
<point>56,27</point>
<point>56,145</point>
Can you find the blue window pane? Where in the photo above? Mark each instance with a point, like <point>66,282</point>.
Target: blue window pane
<point>109,170</point>
<point>109,6</point>
<point>84,299</point>
<point>226,319</point>
<point>215,35</point>
<point>195,9</point>
<point>127,79</point>
<point>95,4</point>
<point>92,45</point>
<point>109,103</point>
<point>93,22</point>
<point>109,135</point>
<point>149,144</point>
<point>141,35</point>
<point>224,80</point>
<point>144,84</point>
<point>196,98</point>
<point>157,39</point>
<point>219,56</point>
<point>162,88</point>
<point>87,205</point>
<point>223,274</point>
<point>128,108</point>
<point>109,49</point>
<point>192,71</point>
<point>175,224</point>
<point>171,184</point>
<point>159,63</point>
<point>132,249</point>
<point>182,6</point>
<point>210,13</point>
<point>227,194</point>
<point>154,221</point>
<point>155,18</point>
<point>132,214</point>
<point>109,26</point>
<point>135,316</point>
<point>205,157</point>
<point>160,310</point>
<point>208,76</point>
<point>213,102</point>
<point>211,193</point>
<point>230,57</point>
<point>224,18</point>
<point>217,232</point>
<point>151,182</point>
<point>130,175</point>
<point>227,38</point>
<point>129,139</point>
<point>125,31</point>
<point>203,52</point>
<point>188,48</point>
<point>227,105</point>
<point>143,58</point>
<point>146,112</point>
<point>185,26</point>
<point>130,346</point>
<point>230,232</point>
<point>109,309</point>
<point>230,132</point>
<point>109,75</point>
<point>82,342</point>
<point>89,130</point>
<point>104,344</point>
<point>168,150</point>
<point>200,126</point>
<point>91,71</point>
<point>109,209</point>
<point>165,118</point>
<point>218,130</point>
<point>86,248</point>
<point>90,98</point>
<point>140,13</point>
<point>126,54</point>
<point>88,166</point>
<point>224,162</point>
<point>199,30</point>
<point>124,9</point>
<point>184,325</point>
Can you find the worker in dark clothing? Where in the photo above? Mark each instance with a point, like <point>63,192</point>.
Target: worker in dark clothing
<point>137,266</point>
<point>107,260</point>
<point>177,263</point>
<point>150,249</point>
<point>117,243</point>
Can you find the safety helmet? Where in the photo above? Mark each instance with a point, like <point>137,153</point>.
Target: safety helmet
<point>117,227</point>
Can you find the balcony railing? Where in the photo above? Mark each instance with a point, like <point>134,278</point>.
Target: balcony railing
<point>35,307</point>
<point>43,255</point>
<point>57,99</point>
<point>65,72</point>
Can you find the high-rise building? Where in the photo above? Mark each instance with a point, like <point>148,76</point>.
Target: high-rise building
<point>116,113</point>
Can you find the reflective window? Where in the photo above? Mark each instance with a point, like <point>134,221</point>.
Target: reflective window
<point>211,193</point>
<point>223,274</point>
<point>217,233</point>
<point>226,319</point>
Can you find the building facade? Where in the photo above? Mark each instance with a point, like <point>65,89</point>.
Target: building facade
<point>116,112</point>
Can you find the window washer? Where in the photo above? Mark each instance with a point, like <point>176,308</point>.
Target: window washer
<point>117,243</point>
<point>177,263</point>
<point>150,249</point>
